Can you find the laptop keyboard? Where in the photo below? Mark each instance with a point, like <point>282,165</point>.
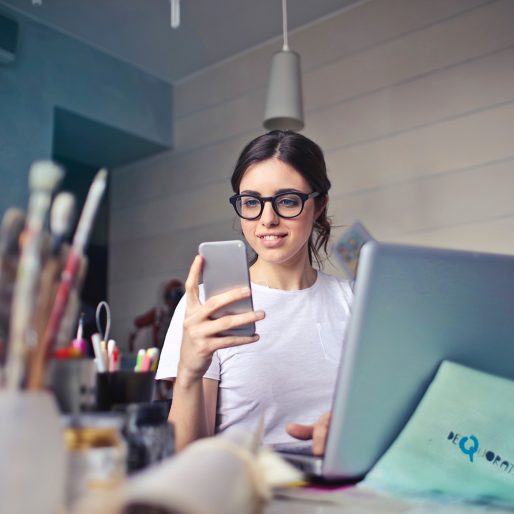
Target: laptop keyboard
<point>297,448</point>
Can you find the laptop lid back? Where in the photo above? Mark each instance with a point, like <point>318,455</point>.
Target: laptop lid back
<point>413,308</point>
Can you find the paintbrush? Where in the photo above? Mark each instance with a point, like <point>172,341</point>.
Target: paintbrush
<point>61,219</point>
<point>61,222</point>
<point>13,222</point>
<point>44,177</point>
<point>68,280</point>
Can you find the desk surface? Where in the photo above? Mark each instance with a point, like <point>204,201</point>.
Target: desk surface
<point>100,501</point>
<point>301,507</point>
<point>361,504</point>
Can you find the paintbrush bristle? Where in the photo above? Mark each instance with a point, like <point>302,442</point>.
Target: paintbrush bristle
<point>45,176</point>
<point>62,214</point>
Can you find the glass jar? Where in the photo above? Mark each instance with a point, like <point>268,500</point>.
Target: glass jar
<point>96,454</point>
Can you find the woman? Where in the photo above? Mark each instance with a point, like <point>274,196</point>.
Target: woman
<point>287,372</point>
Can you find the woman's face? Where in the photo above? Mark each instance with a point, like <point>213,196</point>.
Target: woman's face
<point>277,240</point>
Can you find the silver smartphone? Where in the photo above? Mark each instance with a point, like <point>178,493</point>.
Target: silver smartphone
<point>225,268</point>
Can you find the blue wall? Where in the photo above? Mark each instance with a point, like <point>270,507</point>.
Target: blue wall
<point>53,70</point>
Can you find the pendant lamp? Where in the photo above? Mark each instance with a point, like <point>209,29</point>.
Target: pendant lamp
<point>284,104</point>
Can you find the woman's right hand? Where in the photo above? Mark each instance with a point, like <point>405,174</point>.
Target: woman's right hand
<point>200,337</point>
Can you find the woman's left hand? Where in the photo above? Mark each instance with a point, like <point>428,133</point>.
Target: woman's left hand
<point>317,432</point>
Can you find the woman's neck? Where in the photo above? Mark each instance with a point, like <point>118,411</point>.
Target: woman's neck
<point>289,277</point>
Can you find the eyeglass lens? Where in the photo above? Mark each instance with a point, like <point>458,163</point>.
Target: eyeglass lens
<point>287,205</point>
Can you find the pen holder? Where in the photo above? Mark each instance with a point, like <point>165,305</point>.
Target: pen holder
<point>32,466</point>
<point>123,387</point>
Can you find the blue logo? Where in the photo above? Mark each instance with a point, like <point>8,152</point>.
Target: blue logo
<point>469,450</point>
<point>468,445</point>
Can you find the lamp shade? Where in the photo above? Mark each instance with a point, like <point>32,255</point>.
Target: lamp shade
<point>284,104</point>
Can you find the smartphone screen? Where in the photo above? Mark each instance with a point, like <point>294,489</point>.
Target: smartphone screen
<point>225,268</point>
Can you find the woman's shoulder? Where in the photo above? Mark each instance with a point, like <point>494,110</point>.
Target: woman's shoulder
<point>335,283</point>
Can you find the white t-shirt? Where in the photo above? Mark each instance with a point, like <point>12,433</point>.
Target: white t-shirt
<point>289,374</point>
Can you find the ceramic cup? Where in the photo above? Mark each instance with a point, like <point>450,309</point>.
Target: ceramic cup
<point>32,463</point>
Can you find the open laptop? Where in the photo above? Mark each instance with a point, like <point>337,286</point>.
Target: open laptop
<point>414,307</point>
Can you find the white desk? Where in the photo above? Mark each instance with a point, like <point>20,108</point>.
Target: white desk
<point>101,500</point>
<point>301,507</point>
<point>376,505</point>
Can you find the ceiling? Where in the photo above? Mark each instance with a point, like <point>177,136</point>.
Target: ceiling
<point>139,31</point>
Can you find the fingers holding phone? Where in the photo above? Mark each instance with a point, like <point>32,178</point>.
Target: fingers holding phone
<point>231,329</point>
<point>226,318</point>
<point>192,281</point>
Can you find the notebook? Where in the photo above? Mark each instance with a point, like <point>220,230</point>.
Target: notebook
<point>413,308</point>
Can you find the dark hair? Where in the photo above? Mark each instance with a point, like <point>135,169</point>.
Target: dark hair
<point>306,157</point>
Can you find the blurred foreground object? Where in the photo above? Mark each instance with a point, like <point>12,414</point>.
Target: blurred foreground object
<point>44,178</point>
<point>70,282</point>
<point>12,226</point>
<point>96,455</point>
<point>32,466</point>
<point>148,434</point>
<point>226,474</point>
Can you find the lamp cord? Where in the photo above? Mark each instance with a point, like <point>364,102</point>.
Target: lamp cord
<point>284,24</point>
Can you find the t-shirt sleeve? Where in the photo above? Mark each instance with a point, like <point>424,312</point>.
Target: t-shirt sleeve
<point>170,354</point>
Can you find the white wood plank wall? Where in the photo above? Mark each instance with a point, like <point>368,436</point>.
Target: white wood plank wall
<point>413,103</point>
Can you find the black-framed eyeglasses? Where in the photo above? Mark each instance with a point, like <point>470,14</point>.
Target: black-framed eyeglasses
<point>286,205</point>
